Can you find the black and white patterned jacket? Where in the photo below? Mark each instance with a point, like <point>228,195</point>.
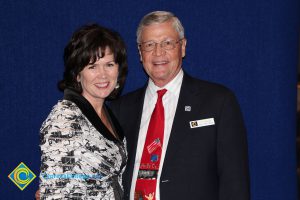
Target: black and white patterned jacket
<point>81,159</point>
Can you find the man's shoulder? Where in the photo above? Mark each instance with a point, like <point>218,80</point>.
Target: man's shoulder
<point>129,98</point>
<point>205,86</point>
<point>213,94</point>
<point>133,95</point>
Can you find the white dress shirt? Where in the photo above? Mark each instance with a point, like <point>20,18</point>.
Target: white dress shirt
<point>170,100</point>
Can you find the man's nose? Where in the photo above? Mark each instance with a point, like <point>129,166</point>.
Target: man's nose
<point>158,50</point>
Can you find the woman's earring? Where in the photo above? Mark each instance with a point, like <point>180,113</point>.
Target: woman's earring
<point>78,84</point>
<point>117,86</point>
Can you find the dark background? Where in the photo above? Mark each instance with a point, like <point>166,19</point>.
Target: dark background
<point>250,46</point>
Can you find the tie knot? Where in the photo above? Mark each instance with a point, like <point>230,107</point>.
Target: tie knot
<point>161,93</point>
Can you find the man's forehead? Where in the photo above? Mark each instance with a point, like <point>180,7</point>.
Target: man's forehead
<point>159,29</point>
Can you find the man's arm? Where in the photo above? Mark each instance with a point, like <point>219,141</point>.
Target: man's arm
<point>232,153</point>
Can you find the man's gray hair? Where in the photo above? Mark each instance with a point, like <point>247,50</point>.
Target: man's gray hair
<point>158,17</point>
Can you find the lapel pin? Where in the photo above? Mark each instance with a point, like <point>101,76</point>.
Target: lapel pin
<point>187,108</point>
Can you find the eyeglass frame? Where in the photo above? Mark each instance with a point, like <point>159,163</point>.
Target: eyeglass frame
<point>160,43</point>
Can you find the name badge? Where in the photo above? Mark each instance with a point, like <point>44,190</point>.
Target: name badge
<point>202,122</point>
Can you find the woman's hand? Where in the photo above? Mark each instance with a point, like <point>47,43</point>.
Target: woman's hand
<point>37,195</point>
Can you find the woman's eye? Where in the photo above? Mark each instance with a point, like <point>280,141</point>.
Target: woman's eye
<point>91,66</point>
<point>110,64</point>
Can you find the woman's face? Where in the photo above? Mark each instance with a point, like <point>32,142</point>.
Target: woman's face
<point>98,80</point>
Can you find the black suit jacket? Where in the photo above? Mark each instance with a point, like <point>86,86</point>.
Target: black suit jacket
<point>205,163</point>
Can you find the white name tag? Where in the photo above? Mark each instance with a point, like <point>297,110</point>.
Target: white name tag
<point>202,122</point>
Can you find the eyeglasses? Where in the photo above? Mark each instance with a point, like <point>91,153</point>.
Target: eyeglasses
<point>166,45</point>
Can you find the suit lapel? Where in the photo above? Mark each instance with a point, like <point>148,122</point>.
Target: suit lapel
<point>180,123</point>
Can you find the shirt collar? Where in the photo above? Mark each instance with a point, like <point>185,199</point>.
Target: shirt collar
<point>172,87</point>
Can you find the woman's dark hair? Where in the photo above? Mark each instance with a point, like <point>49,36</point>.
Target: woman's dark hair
<point>86,46</point>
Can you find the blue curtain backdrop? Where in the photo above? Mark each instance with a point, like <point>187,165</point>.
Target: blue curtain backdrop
<point>250,46</point>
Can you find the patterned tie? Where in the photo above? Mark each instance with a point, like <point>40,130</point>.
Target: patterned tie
<point>147,177</point>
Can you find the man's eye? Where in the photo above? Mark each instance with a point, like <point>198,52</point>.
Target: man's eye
<point>167,43</point>
<point>149,45</point>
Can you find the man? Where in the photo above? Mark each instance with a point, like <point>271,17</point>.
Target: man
<point>203,147</point>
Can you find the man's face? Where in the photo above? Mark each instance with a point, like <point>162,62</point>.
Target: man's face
<point>162,65</point>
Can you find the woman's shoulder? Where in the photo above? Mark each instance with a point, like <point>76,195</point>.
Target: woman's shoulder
<point>63,113</point>
<point>64,108</point>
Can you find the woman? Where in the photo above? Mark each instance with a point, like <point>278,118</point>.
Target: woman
<point>83,148</point>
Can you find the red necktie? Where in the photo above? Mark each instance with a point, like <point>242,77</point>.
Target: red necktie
<point>145,188</point>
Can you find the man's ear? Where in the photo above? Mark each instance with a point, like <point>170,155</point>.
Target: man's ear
<point>183,47</point>
<point>140,53</point>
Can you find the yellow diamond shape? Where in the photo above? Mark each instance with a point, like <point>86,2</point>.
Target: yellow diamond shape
<point>21,176</point>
